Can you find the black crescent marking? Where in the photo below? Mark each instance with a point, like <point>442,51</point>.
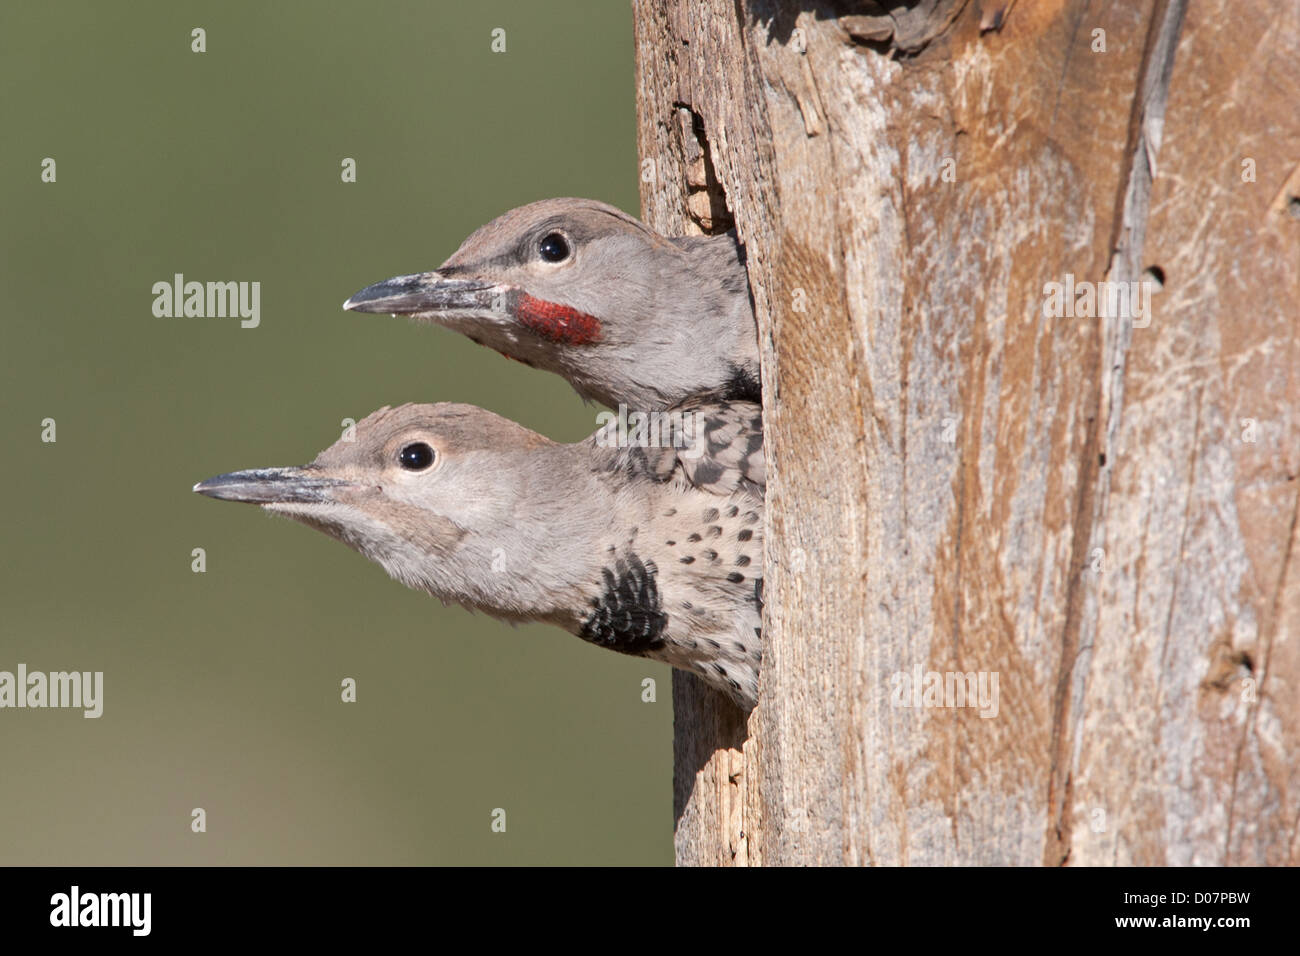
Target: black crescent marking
<point>628,616</point>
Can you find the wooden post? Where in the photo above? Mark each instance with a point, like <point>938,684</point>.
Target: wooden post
<point>971,470</point>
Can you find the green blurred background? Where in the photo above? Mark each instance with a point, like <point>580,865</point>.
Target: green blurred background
<point>222,689</point>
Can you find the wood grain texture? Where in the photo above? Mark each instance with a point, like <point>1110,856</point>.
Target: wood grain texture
<point>1101,512</point>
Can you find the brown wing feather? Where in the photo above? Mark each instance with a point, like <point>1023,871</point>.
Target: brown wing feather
<point>715,445</point>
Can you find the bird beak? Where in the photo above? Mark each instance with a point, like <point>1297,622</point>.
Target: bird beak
<point>426,292</point>
<point>270,486</point>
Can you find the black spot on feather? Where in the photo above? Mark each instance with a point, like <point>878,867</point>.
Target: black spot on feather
<point>743,384</point>
<point>628,616</point>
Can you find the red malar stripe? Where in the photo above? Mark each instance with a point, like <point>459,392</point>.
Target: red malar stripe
<point>557,323</point>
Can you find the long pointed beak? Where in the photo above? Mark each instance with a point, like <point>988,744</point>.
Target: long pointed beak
<point>425,292</point>
<point>266,486</point>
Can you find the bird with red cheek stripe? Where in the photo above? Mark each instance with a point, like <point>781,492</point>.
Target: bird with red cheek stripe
<point>582,289</point>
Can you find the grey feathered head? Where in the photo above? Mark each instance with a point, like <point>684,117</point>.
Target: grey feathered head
<point>582,289</point>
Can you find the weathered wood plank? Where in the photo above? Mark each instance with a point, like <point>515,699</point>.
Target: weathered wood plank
<point>960,483</point>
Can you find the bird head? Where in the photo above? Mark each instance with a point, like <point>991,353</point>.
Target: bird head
<point>427,491</point>
<point>579,288</point>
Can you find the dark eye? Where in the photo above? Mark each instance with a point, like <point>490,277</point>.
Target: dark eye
<point>416,456</point>
<point>554,248</point>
